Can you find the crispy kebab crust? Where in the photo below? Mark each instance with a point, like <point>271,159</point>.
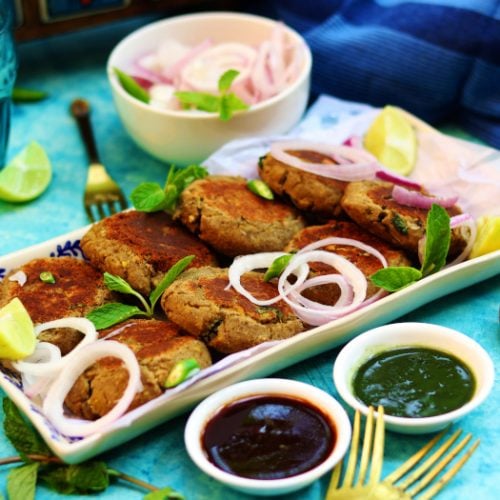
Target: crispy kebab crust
<point>224,213</point>
<point>370,204</point>
<point>307,191</point>
<point>141,247</point>
<point>78,289</point>
<point>200,302</point>
<point>157,345</point>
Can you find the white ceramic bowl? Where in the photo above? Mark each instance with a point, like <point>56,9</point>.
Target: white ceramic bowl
<point>181,137</point>
<point>271,386</point>
<point>395,335</point>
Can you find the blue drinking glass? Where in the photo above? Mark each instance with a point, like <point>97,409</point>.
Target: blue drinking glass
<point>8,68</point>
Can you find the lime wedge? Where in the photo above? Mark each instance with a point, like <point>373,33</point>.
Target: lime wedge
<point>488,236</point>
<point>17,335</point>
<point>26,176</point>
<point>392,140</point>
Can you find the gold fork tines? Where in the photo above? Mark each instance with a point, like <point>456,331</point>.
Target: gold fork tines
<point>102,194</point>
<point>419,475</point>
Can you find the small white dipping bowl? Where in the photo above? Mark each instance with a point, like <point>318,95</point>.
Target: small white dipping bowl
<point>183,137</point>
<point>399,335</point>
<point>208,408</point>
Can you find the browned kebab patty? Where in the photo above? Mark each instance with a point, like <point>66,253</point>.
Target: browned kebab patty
<point>370,204</point>
<point>141,247</point>
<point>367,263</point>
<point>224,213</point>
<point>157,345</point>
<point>78,288</point>
<point>307,191</point>
<point>200,302</point>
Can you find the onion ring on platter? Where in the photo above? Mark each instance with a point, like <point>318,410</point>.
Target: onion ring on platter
<point>464,220</point>
<point>246,263</point>
<point>53,402</point>
<point>416,199</point>
<point>363,165</point>
<point>83,325</point>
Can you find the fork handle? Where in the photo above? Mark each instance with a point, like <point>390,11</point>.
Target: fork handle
<point>80,109</point>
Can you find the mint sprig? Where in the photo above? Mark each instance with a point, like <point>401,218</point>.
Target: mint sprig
<point>115,312</point>
<point>151,197</point>
<point>437,244</point>
<point>226,103</point>
<point>131,86</point>
<point>38,464</point>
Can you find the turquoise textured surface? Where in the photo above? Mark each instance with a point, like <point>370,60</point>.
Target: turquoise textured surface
<point>73,66</point>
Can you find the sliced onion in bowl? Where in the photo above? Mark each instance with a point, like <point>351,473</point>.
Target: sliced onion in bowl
<point>62,384</point>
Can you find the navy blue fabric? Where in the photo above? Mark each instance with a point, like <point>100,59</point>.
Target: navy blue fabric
<point>438,59</point>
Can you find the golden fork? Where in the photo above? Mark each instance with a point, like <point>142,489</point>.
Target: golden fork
<point>413,482</point>
<point>101,191</point>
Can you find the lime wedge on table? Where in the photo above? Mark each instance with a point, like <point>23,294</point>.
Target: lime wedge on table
<point>488,236</point>
<point>26,176</point>
<point>392,140</point>
<point>17,335</point>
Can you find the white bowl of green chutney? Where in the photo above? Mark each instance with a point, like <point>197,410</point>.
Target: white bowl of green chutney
<point>425,376</point>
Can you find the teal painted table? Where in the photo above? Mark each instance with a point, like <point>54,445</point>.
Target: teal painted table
<point>73,66</point>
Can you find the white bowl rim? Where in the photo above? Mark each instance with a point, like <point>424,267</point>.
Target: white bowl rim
<point>306,69</point>
<point>340,376</point>
<point>266,386</point>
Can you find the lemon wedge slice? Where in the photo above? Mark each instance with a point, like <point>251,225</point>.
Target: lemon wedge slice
<point>488,236</point>
<point>27,176</point>
<point>17,334</point>
<point>392,140</point>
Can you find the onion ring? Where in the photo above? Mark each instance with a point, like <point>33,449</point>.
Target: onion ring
<point>416,199</point>
<point>363,166</point>
<point>53,402</point>
<point>83,325</point>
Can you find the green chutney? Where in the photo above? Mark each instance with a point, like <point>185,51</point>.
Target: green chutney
<point>414,382</point>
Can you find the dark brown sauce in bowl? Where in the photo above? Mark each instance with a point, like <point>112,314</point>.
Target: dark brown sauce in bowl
<point>268,437</point>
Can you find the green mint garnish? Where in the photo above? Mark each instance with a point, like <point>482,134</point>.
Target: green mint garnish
<point>226,103</point>
<point>131,86</point>
<point>40,465</point>
<point>437,244</point>
<point>114,312</point>
<point>151,197</point>
<point>277,266</point>
<point>260,188</point>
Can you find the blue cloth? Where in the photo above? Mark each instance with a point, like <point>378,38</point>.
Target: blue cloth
<point>439,60</point>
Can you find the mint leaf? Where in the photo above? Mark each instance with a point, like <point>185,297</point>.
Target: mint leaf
<point>393,279</point>
<point>229,104</point>
<point>131,86</point>
<point>277,266</point>
<point>437,241</point>
<point>112,313</point>
<point>148,197</point>
<point>169,278</point>
<point>164,494</point>
<point>87,477</point>
<point>198,100</point>
<point>21,434</point>
<point>118,284</point>
<point>21,482</point>
<point>227,79</point>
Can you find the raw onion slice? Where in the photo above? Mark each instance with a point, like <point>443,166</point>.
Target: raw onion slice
<point>385,175</point>
<point>345,297</point>
<point>20,277</point>
<point>362,164</point>
<point>83,325</point>
<point>53,402</point>
<point>172,73</point>
<point>464,220</point>
<point>316,313</point>
<point>246,263</point>
<point>417,199</point>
